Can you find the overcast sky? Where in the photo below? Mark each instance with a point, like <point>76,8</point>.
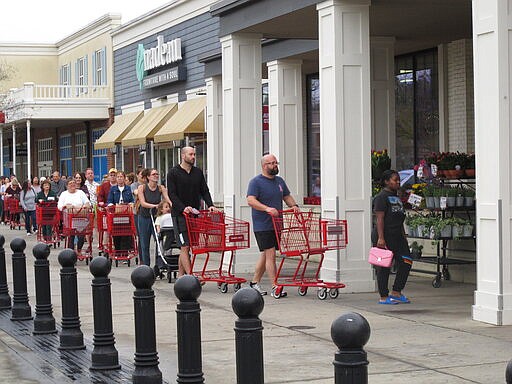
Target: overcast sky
<point>40,21</point>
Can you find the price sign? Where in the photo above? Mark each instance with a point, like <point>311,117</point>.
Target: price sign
<point>420,172</point>
<point>442,202</point>
<point>415,200</point>
<point>433,168</point>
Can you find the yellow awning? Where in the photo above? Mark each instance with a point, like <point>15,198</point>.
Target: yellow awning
<point>188,119</point>
<point>151,123</point>
<point>117,131</point>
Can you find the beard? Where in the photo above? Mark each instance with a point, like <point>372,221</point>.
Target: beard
<point>273,171</point>
<point>189,162</point>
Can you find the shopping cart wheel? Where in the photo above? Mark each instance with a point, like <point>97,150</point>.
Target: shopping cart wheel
<point>224,287</point>
<point>333,293</point>
<point>436,283</point>
<point>302,291</point>
<point>136,261</point>
<point>237,286</point>
<point>322,293</point>
<point>117,263</point>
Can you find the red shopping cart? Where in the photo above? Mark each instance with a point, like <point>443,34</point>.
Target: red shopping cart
<point>214,232</point>
<point>14,210</point>
<point>122,239</point>
<point>101,226</point>
<point>48,223</point>
<point>78,222</point>
<point>301,235</point>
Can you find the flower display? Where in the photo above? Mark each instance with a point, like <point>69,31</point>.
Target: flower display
<point>380,162</point>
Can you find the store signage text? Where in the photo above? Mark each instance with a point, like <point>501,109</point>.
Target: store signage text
<point>164,77</point>
<point>164,53</point>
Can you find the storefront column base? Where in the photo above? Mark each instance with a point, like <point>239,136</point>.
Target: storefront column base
<point>489,308</point>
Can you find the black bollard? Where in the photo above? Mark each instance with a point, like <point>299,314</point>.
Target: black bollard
<point>20,307</point>
<point>190,367</point>
<point>508,373</point>
<point>146,357</point>
<point>104,355</point>
<point>248,303</point>
<point>5,299</point>
<point>350,332</point>
<point>44,322</point>
<point>71,337</point>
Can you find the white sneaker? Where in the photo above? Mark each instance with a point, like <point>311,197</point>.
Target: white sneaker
<point>257,287</point>
<point>29,234</point>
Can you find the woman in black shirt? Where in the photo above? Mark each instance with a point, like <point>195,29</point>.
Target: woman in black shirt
<point>389,233</point>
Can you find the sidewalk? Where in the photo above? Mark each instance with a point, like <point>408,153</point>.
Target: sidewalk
<point>432,340</point>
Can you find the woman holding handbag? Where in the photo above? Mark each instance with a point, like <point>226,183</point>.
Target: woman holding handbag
<point>389,234</point>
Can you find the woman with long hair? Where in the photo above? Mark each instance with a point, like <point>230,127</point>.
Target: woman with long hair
<point>36,184</point>
<point>80,183</point>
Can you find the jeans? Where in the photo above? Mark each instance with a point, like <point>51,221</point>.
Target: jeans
<point>30,220</point>
<point>145,234</point>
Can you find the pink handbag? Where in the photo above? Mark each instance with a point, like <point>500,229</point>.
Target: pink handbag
<point>380,257</point>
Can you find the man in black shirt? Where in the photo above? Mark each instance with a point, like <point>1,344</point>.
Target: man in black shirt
<point>186,185</point>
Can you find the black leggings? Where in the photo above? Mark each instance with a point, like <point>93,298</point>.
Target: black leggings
<point>402,257</point>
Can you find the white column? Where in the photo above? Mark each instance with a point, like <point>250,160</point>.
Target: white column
<point>285,122</point>
<point>14,149</point>
<point>242,126</point>
<point>214,136</point>
<point>345,135</point>
<point>29,159</point>
<point>492,47</point>
<point>382,64</point>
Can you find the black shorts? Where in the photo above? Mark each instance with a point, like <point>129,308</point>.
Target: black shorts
<point>266,240</point>
<point>180,230</point>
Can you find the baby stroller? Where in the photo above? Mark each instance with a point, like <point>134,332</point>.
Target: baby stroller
<point>167,251</point>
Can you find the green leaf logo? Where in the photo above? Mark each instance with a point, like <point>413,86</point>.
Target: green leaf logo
<point>139,65</point>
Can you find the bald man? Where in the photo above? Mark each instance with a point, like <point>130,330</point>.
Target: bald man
<point>186,185</point>
<point>265,195</point>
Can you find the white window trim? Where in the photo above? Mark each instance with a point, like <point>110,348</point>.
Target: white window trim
<point>135,107</point>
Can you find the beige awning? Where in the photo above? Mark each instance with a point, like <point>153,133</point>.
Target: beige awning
<point>117,131</point>
<point>151,123</point>
<point>188,119</point>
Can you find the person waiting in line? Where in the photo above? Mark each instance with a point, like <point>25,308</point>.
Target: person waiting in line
<point>80,182</point>
<point>46,195</point>
<point>36,184</point>
<point>74,198</point>
<point>28,203</point>
<point>142,178</point>
<point>187,186</point>
<point>13,191</point>
<point>265,196</point>
<point>389,234</point>
<point>92,186</point>
<point>106,185</point>
<point>150,195</point>
<point>58,185</point>
<point>121,194</point>
<point>130,178</point>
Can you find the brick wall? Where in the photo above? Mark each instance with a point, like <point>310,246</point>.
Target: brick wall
<point>461,120</point>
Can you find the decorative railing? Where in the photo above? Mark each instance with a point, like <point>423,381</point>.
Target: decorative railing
<point>32,92</point>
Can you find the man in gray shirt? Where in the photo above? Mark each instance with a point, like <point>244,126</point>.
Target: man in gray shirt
<point>57,184</point>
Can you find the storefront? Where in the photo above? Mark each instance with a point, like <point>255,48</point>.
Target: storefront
<point>160,87</point>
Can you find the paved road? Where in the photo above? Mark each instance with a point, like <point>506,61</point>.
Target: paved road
<point>432,340</point>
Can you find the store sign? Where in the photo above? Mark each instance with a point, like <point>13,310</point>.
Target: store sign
<point>168,76</point>
<point>164,54</point>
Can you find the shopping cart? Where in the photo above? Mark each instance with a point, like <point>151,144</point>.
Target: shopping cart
<point>301,235</point>
<point>78,222</point>
<point>214,232</point>
<point>14,210</point>
<point>101,226</point>
<point>48,223</point>
<point>121,231</point>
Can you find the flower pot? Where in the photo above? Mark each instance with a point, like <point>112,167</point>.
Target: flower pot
<point>421,231</point>
<point>450,201</point>
<point>430,202</point>
<point>440,172</point>
<point>469,201</point>
<point>457,231</point>
<point>459,201</point>
<point>470,172</point>
<point>450,173</point>
<point>437,202</point>
<point>467,230</point>
<point>446,231</point>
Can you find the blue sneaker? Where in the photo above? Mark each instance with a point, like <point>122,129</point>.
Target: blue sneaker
<point>402,299</point>
<point>388,301</point>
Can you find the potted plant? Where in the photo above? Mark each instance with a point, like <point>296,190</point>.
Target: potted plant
<point>470,165</point>
<point>380,162</point>
<point>459,200</point>
<point>441,228</point>
<point>468,229</point>
<point>409,229</point>
<point>451,196</point>
<point>438,192</point>
<point>428,191</point>
<point>416,250</point>
<point>457,227</point>
<point>469,197</point>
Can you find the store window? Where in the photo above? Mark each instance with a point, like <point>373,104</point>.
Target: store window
<point>99,156</point>
<point>65,155</point>
<point>81,151</point>
<point>313,134</point>
<point>416,107</point>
